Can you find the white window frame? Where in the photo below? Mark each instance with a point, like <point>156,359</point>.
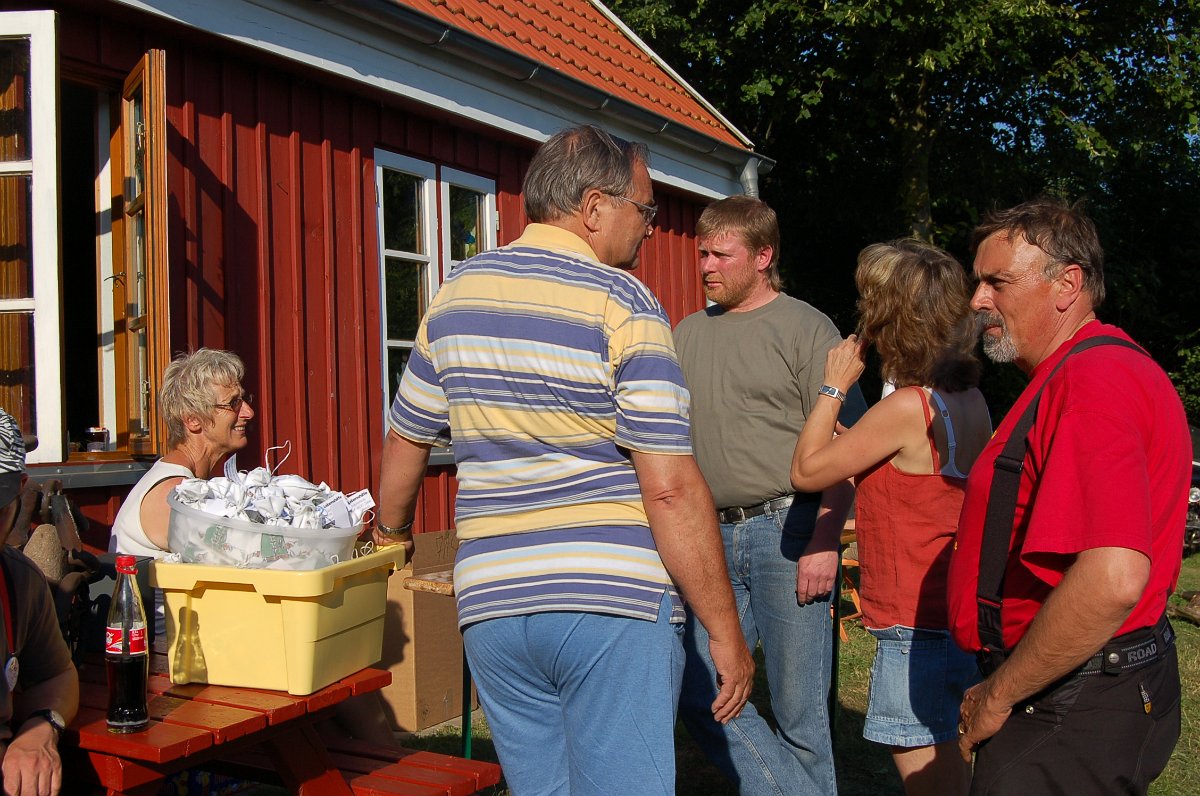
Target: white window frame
<point>106,274</point>
<point>39,28</point>
<point>490,221</point>
<point>435,193</point>
<point>427,172</point>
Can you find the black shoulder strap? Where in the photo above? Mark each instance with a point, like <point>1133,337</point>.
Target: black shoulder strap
<point>1002,508</point>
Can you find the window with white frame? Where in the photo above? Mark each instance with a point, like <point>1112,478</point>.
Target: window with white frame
<point>29,320</point>
<point>429,220</point>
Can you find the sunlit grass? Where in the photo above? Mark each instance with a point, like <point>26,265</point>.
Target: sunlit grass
<point>865,768</point>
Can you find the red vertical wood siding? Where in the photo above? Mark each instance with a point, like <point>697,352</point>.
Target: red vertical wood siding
<point>273,244</point>
<point>670,264</point>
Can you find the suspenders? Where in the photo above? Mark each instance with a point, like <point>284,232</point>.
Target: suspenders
<point>1001,511</point>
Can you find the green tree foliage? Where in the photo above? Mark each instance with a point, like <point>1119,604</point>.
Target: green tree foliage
<point>1187,378</point>
<point>899,117</point>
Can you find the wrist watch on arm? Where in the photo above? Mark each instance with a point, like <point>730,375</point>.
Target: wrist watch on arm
<point>403,530</point>
<point>832,392</point>
<point>52,717</point>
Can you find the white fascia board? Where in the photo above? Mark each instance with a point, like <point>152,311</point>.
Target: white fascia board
<point>339,44</point>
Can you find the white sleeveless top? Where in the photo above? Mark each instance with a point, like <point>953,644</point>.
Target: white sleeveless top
<point>127,533</point>
<point>128,536</point>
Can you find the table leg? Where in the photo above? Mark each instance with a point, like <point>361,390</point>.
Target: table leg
<point>304,765</point>
<point>466,707</point>
<point>142,790</point>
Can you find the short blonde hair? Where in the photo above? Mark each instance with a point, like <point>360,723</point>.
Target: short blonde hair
<point>187,387</point>
<point>914,307</point>
<point>750,219</point>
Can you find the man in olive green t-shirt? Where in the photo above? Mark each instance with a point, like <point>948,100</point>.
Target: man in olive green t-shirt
<point>753,363</point>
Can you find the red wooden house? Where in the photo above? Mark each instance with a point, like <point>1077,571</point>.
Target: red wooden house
<point>290,179</point>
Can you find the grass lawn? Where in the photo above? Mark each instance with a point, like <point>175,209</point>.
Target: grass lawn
<point>866,768</point>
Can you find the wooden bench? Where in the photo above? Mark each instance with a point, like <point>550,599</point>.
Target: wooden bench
<point>442,582</point>
<point>373,770</point>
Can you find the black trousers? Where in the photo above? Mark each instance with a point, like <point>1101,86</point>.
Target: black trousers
<point>1086,735</point>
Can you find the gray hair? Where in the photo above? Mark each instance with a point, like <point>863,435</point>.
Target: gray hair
<point>187,387</point>
<point>1062,231</point>
<point>574,161</point>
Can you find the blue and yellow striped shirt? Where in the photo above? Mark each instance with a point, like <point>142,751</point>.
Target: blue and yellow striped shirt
<point>545,366</point>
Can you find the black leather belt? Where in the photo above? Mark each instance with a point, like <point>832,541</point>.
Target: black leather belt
<point>738,514</point>
<point>1133,650</point>
<point>1124,653</point>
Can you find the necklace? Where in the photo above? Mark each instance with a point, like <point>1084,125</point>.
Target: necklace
<point>1091,317</point>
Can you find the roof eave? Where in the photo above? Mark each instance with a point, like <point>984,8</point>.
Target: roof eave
<point>424,29</point>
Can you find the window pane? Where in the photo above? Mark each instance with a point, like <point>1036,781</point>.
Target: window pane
<point>16,224</point>
<point>402,212</point>
<point>139,384</point>
<point>14,99</point>
<point>404,297</point>
<point>397,361</point>
<point>466,213</point>
<point>135,147</point>
<point>137,266</point>
<point>16,368</point>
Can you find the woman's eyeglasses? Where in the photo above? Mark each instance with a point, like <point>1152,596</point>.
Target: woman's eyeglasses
<point>235,404</point>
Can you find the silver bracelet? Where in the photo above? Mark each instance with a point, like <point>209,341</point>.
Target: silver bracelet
<point>401,531</point>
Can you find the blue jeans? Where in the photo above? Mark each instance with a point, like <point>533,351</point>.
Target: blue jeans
<point>580,703</point>
<point>761,553</point>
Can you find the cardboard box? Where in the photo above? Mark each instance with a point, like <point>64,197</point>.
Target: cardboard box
<point>421,643</point>
<point>287,631</point>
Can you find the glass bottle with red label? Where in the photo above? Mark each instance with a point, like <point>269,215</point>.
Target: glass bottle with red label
<point>126,653</point>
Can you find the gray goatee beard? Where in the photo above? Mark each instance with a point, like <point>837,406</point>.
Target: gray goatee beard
<point>997,349</point>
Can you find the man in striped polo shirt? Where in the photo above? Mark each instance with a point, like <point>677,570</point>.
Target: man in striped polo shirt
<point>580,508</point>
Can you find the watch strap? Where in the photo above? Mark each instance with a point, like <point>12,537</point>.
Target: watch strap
<point>52,717</point>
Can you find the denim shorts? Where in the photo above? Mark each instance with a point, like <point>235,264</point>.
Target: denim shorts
<point>917,684</point>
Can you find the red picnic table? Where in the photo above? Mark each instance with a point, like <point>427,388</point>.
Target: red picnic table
<point>251,730</point>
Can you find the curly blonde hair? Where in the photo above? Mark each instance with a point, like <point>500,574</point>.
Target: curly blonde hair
<point>914,307</point>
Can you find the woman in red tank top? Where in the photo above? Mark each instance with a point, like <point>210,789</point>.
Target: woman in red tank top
<point>909,456</point>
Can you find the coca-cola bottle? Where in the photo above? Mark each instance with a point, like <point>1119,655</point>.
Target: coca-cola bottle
<point>126,654</point>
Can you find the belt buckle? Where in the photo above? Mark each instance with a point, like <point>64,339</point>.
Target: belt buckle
<point>733,514</point>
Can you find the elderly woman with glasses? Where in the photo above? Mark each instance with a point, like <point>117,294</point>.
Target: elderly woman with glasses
<point>207,412</point>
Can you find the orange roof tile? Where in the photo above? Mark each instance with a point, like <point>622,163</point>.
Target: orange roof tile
<point>578,40</point>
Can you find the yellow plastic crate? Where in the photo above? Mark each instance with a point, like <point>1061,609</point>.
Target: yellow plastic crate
<point>287,631</point>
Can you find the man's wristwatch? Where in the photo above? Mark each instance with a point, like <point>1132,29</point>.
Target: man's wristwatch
<point>403,530</point>
<point>52,717</point>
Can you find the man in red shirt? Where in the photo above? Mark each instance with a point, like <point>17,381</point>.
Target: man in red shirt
<point>1066,607</point>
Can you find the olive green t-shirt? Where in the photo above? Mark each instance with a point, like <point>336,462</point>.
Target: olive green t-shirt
<point>753,377</point>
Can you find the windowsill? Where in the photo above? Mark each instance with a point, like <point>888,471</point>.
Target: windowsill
<point>104,471</point>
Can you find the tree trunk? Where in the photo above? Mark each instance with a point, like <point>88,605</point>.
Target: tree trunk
<point>916,145</point>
